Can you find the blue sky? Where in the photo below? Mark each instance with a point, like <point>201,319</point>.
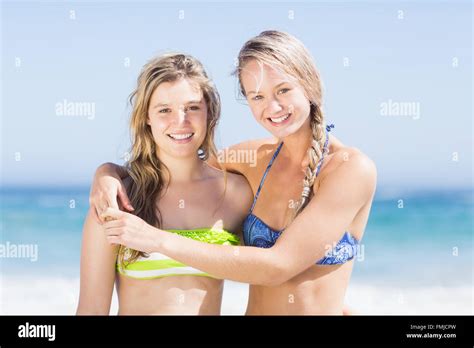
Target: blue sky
<point>416,53</point>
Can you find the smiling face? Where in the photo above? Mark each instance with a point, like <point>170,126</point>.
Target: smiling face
<point>277,102</point>
<point>177,115</point>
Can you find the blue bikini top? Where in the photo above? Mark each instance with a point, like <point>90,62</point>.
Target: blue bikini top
<point>258,234</point>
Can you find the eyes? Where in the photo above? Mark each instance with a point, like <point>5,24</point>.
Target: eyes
<point>187,109</point>
<point>279,92</point>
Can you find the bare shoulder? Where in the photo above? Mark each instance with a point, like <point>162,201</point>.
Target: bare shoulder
<point>350,166</point>
<point>254,144</point>
<point>355,158</point>
<point>242,157</point>
<point>237,199</point>
<point>260,147</point>
<point>238,187</point>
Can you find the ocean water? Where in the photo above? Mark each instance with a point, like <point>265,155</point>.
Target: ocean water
<point>416,255</point>
<point>419,238</point>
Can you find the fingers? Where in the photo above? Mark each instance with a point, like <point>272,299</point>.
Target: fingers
<point>95,214</point>
<point>114,232</point>
<point>98,206</point>
<point>113,223</point>
<point>123,198</point>
<point>100,209</point>
<point>111,213</point>
<point>112,202</point>
<point>113,240</point>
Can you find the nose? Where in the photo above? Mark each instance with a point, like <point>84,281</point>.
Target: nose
<point>273,107</point>
<point>181,116</point>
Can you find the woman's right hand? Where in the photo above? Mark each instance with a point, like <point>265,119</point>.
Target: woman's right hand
<point>106,187</point>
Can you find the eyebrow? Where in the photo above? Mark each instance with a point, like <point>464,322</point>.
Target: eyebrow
<point>188,102</point>
<point>159,105</point>
<point>276,87</point>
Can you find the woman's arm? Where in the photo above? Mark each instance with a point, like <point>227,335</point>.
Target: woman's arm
<point>108,189</point>
<point>239,158</point>
<point>97,270</point>
<point>321,224</point>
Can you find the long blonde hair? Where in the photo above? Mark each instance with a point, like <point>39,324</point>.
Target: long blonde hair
<point>144,167</point>
<point>287,54</point>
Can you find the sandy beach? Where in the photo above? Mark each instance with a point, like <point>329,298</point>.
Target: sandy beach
<point>59,296</point>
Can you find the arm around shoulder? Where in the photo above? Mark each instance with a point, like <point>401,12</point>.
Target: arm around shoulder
<point>238,158</point>
<point>322,222</point>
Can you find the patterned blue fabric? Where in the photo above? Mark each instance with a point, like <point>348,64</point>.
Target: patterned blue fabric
<point>345,250</point>
<point>258,234</point>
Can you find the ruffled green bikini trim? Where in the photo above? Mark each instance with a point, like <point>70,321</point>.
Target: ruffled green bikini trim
<point>209,236</point>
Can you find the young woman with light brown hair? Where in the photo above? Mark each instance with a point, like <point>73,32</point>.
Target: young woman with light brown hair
<point>175,111</point>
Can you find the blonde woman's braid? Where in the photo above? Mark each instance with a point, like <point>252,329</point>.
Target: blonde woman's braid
<point>316,152</point>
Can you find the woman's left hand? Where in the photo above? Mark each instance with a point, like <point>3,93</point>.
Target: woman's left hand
<point>128,230</point>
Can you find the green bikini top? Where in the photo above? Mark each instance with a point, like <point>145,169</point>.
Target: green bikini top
<point>157,265</point>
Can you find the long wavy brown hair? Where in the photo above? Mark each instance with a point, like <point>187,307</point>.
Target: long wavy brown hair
<point>287,54</point>
<point>144,166</point>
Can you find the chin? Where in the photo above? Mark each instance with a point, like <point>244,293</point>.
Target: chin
<point>284,132</point>
<point>181,154</point>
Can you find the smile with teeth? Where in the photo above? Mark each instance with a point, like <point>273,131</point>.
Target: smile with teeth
<point>181,136</point>
<point>280,119</point>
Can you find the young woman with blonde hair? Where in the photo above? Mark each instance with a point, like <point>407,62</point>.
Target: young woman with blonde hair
<point>313,205</point>
<point>175,111</point>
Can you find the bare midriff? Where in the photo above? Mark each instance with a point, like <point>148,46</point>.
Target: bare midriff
<point>178,295</point>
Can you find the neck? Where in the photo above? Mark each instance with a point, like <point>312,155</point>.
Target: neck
<point>182,170</point>
<point>297,144</point>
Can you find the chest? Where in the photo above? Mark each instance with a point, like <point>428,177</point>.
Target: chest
<point>184,208</point>
<point>280,193</point>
